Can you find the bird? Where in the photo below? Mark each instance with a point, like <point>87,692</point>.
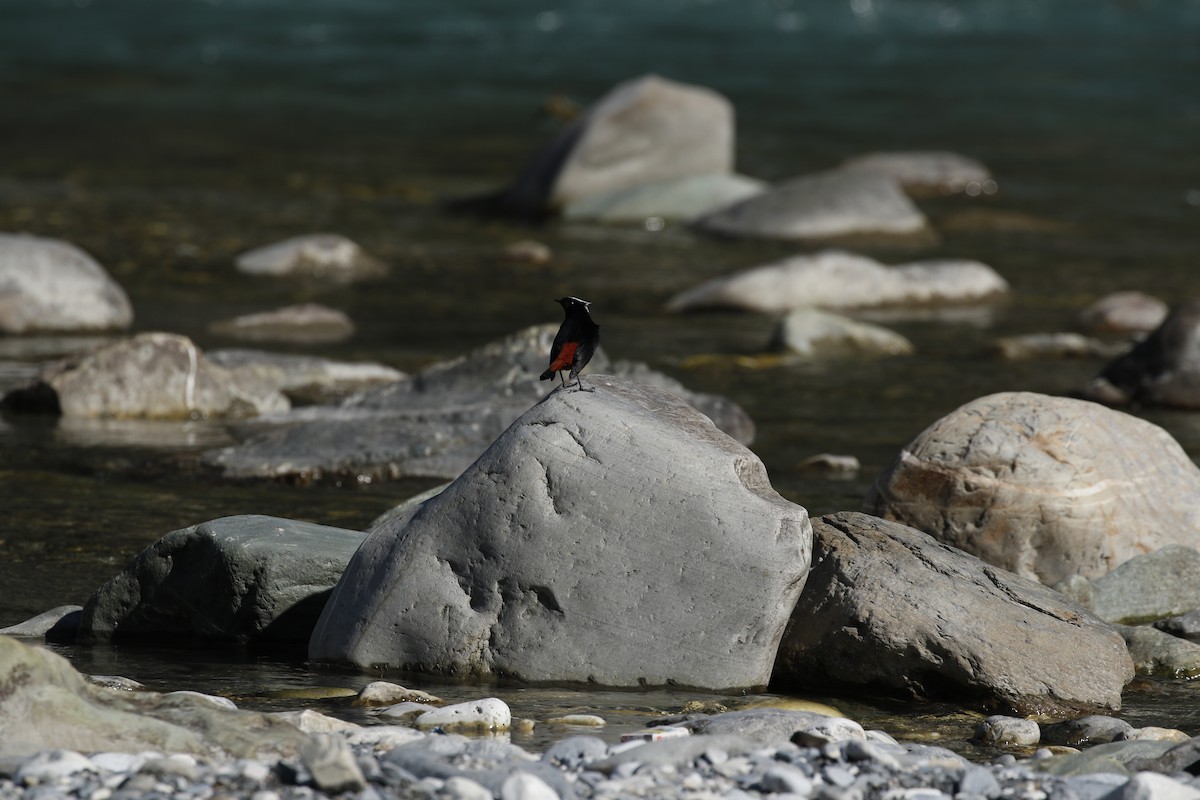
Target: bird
<point>574,344</point>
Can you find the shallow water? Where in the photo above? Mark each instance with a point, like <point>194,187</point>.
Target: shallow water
<point>165,144</point>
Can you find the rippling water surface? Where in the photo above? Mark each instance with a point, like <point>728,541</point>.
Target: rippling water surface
<point>166,140</point>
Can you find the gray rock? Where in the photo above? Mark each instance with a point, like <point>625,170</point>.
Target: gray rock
<point>784,778</point>
<point>321,255</point>
<point>1161,654</point>
<point>575,751</point>
<point>928,173</point>
<point>1147,587</point>
<point>676,753</point>
<point>812,333</point>
<point>1046,487</point>
<point>331,764</point>
<point>407,507</point>
<point>1173,758</point>
<point>837,204</point>
<point>522,785</point>
<point>1122,758</point>
<point>1124,312</point>
<point>244,577</point>
<point>49,285</point>
<point>644,130</point>
<point>1054,345</point>
<point>1185,626</point>
<point>837,279</point>
<point>304,378</point>
<point>1003,731</point>
<point>773,727</point>
<point>46,704</point>
<point>43,623</point>
<point>977,781</point>
<point>1090,730</point>
<point>886,606</point>
<point>306,323</point>
<point>586,544</point>
<point>1148,786</point>
<point>151,376</point>
<point>1161,370</point>
<point>433,424</point>
<point>488,763</point>
<point>677,199</point>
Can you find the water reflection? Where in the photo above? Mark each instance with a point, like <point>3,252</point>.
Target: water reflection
<point>141,433</point>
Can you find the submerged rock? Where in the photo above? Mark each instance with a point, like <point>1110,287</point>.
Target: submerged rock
<point>1054,345</point>
<point>432,424</point>
<point>644,130</point>
<point>928,173</point>
<point>304,378</point>
<point>837,279</point>
<point>307,323</point>
<point>887,607</point>
<point>322,255</point>
<point>812,333</point>
<point>151,376</point>
<point>247,578</point>
<point>1047,487</point>
<point>1161,370</point>
<point>47,285</point>
<point>827,205</point>
<point>613,537</point>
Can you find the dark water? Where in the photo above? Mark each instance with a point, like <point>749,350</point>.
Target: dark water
<point>165,140</point>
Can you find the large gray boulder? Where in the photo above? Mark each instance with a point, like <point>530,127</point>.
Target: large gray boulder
<point>248,578</point>
<point>827,205</point>
<point>304,378</point>
<point>432,424</point>
<point>320,255</point>
<point>1047,487</point>
<point>837,279</point>
<point>150,376</point>
<point>1161,370</point>
<point>47,285</point>
<point>613,537</point>
<point>644,130</point>
<point>46,704</point>
<point>888,608</point>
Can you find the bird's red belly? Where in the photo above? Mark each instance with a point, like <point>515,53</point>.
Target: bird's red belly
<point>565,356</point>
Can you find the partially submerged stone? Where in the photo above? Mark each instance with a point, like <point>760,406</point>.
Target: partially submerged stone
<point>928,173</point>
<point>1124,312</point>
<point>607,537</point>
<point>887,608</point>
<point>1161,370</point>
<point>683,199</point>
<point>813,333</point>
<point>322,255</point>
<point>306,323</point>
<point>838,279</point>
<point>837,204</point>
<point>644,130</point>
<point>151,376</point>
<point>1047,487</point>
<point>248,578</point>
<point>47,285</point>
<point>1054,345</point>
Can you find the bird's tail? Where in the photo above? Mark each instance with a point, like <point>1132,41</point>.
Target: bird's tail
<point>547,375</point>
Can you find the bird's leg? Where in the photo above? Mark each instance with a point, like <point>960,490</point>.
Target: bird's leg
<point>579,385</point>
<point>564,380</point>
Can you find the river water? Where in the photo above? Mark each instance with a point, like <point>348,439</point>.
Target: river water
<point>166,141</point>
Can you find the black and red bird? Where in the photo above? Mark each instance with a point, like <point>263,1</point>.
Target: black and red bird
<point>575,343</point>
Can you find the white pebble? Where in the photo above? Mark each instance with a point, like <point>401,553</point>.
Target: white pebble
<point>490,714</point>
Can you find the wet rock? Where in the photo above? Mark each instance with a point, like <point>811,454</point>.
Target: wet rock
<point>1054,345</point>
<point>46,704</point>
<point>321,255</point>
<point>1089,730</point>
<point>307,323</point>
<point>644,130</point>
<point>772,727</point>
<point>886,606</point>
<point>572,514</point>
<point>1147,587</point>
<point>304,378</point>
<point>1046,487</point>
<point>43,623</point>
<point>433,424</point>
<point>1185,626</point>
<point>47,285</point>
<point>151,376</point>
<point>245,577</point>
<point>676,199</point>
<point>383,693</point>
<point>928,173</point>
<point>1161,654</point>
<point>837,279</point>
<point>1161,370</point>
<point>1002,731</point>
<point>837,204</point>
<point>812,333</point>
<point>488,714</point>
<point>1124,312</point>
